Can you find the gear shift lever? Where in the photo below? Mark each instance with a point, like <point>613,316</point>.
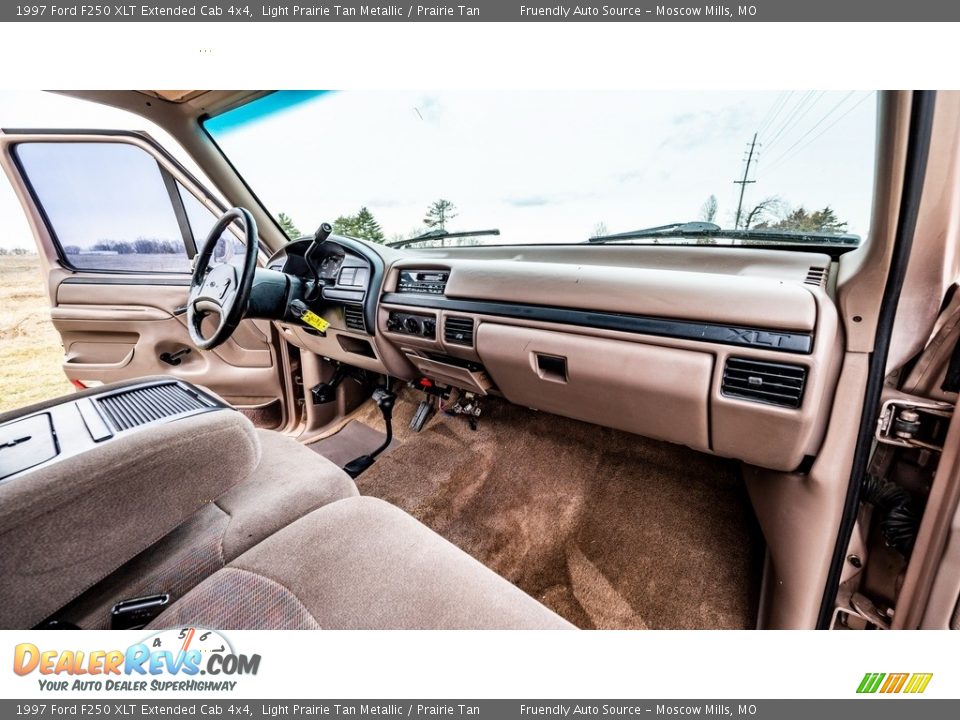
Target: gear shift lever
<point>312,258</point>
<point>385,400</point>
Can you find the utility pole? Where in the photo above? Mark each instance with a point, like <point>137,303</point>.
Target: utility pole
<point>744,182</point>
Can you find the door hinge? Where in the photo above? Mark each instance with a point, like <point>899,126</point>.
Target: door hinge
<point>914,424</point>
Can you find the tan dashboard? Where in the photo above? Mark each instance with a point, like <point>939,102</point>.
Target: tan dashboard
<point>729,351</point>
<point>738,360</point>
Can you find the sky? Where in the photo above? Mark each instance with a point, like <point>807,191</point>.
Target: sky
<point>540,166</point>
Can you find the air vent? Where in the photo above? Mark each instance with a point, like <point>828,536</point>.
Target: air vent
<point>816,276</point>
<point>141,405</point>
<point>458,330</point>
<point>766,382</point>
<point>353,317</point>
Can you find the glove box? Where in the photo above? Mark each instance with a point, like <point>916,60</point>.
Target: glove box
<point>654,391</point>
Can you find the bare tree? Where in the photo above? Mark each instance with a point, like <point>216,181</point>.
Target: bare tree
<point>765,209</point>
<point>708,211</point>
<point>439,214</point>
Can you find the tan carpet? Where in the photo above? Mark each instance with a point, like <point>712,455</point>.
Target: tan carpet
<point>609,529</point>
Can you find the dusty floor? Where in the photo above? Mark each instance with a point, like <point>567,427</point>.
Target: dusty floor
<point>609,529</point>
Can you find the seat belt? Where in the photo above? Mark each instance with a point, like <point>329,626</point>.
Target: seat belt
<point>951,381</point>
<point>941,355</point>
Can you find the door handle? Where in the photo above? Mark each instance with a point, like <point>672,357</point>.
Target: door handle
<point>174,358</point>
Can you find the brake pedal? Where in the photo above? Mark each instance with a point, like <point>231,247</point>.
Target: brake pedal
<point>424,412</point>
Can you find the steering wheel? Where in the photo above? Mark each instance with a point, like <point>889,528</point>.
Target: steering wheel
<point>223,289</point>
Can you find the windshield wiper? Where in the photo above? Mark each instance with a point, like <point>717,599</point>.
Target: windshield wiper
<point>712,230</point>
<point>442,235</point>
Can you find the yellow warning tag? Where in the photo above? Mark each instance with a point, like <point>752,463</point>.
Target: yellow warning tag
<point>315,321</point>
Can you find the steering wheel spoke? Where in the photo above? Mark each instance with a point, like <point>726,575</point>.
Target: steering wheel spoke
<point>223,289</point>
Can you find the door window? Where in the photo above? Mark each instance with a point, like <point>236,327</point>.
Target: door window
<point>201,219</point>
<point>109,206</point>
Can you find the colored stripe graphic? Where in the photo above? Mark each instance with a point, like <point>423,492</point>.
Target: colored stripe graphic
<point>870,682</point>
<point>893,683</point>
<point>918,682</point>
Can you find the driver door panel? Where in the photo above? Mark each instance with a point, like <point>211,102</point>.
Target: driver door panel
<point>117,323</point>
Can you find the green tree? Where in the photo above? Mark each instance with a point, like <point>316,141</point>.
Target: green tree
<point>288,226</point>
<point>368,226</point>
<point>361,225</point>
<point>439,214</point>
<point>800,219</point>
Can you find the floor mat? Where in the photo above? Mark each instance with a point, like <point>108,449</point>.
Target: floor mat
<point>351,441</point>
<point>608,529</point>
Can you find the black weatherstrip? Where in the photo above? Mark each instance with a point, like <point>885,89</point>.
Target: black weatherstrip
<point>918,147</point>
<point>792,342</point>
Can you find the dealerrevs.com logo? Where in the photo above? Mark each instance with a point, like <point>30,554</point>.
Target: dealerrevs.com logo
<point>185,659</point>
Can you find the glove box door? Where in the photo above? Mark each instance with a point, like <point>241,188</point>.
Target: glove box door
<point>657,392</point>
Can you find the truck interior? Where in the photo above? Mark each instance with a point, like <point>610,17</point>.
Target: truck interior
<point>630,432</point>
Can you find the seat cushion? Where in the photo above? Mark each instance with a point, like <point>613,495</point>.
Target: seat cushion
<point>66,526</point>
<point>358,563</point>
<point>289,482</point>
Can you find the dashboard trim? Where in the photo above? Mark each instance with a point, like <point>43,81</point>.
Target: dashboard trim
<point>799,343</point>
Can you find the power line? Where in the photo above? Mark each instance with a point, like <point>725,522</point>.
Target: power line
<point>816,137</point>
<point>772,112</point>
<point>769,123</point>
<point>804,99</point>
<point>787,129</point>
<point>814,127</point>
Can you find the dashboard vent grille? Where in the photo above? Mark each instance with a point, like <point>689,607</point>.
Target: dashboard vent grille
<point>353,317</point>
<point>816,276</point>
<point>766,382</point>
<point>141,405</point>
<point>458,330</point>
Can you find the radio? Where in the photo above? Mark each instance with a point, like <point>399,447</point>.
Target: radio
<point>424,282</point>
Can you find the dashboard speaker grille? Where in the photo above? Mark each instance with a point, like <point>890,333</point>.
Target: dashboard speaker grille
<point>141,405</point>
<point>458,330</point>
<point>353,318</point>
<point>765,382</point>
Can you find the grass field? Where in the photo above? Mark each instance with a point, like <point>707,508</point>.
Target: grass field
<point>30,349</point>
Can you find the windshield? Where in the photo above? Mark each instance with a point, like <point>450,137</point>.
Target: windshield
<point>560,167</point>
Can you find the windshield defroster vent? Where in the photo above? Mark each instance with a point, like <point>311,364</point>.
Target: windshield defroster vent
<point>137,406</point>
<point>816,276</point>
<point>766,382</point>
<point>353,317</point>
<point>458,330</point>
